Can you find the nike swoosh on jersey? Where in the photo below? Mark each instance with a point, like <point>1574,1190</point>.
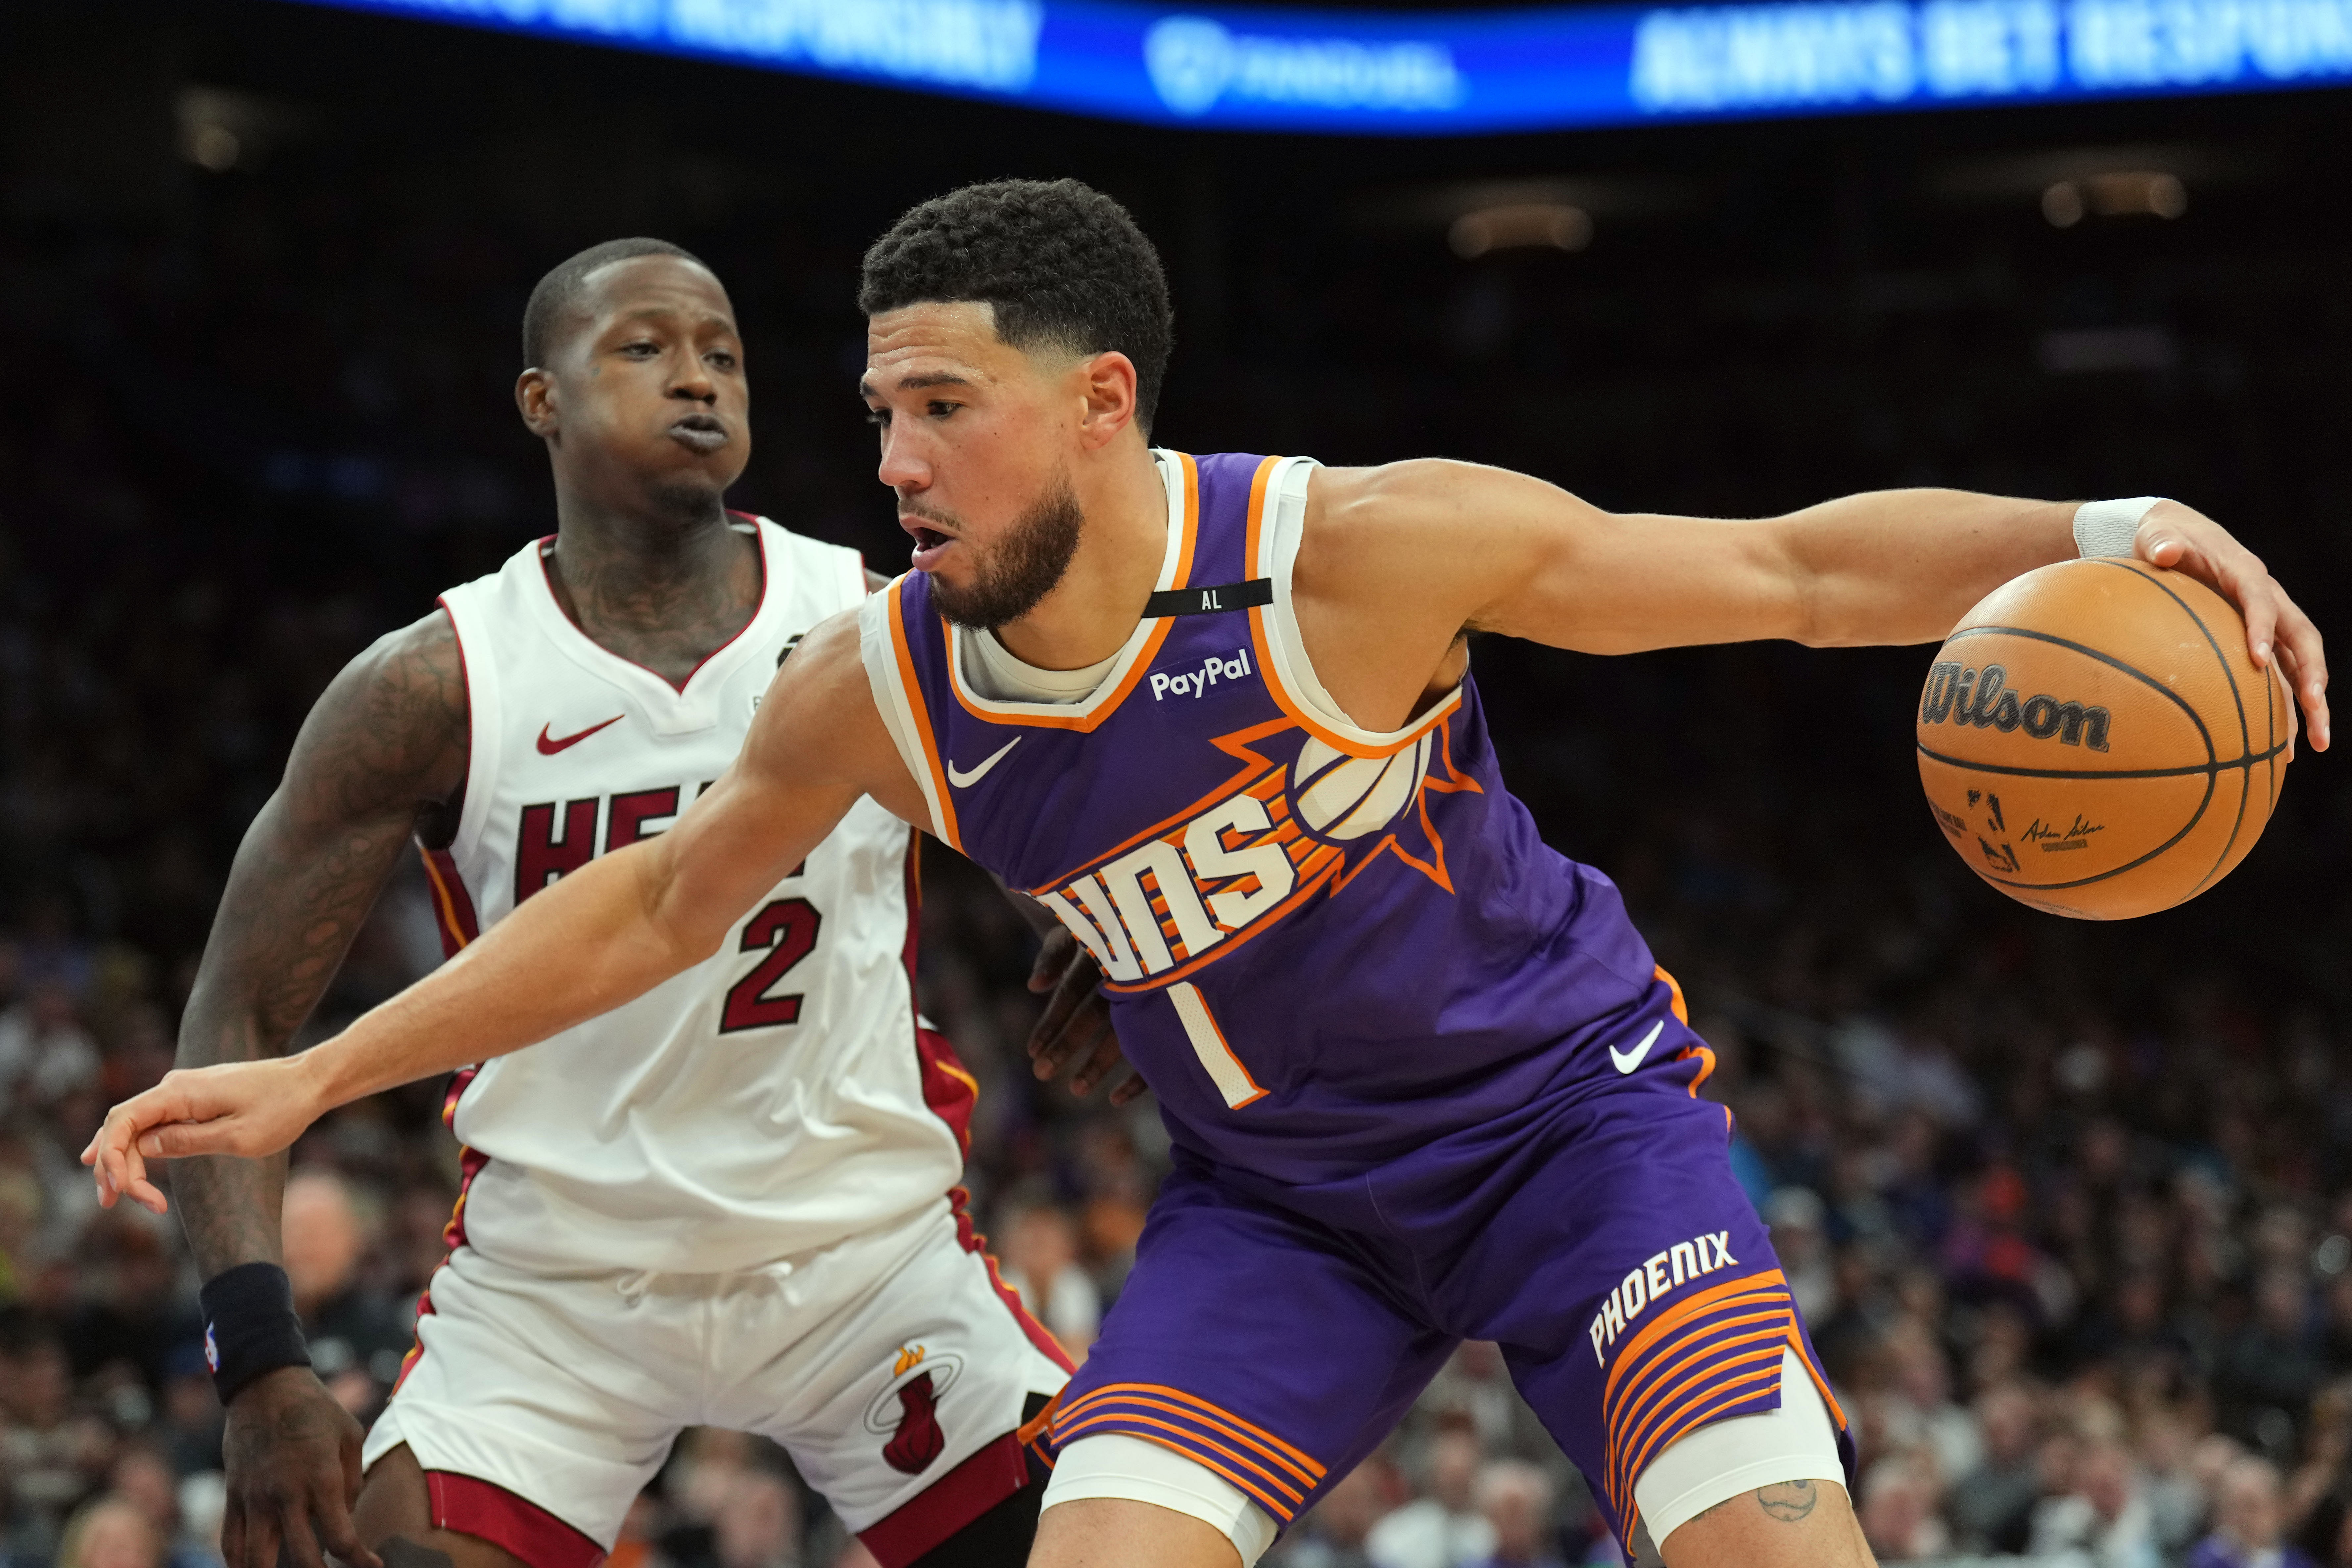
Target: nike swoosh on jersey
<point>547,748</point>
<point>1628,1060</point>
<point>963,780</point>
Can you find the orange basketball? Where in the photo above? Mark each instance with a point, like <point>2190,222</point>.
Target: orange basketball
<point>2095,740</point>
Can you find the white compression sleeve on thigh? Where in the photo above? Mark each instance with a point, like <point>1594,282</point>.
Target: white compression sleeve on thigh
<point>1117,1466</point>
<point>1794,1443</point>
<point>2111,527</point>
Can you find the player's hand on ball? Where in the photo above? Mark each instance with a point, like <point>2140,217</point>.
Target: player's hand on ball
<point>2279,636</point>
<point>1075,1024</point>
<point>245,1108</point>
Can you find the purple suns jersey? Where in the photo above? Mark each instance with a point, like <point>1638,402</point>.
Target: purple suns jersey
<point>1325,946</point>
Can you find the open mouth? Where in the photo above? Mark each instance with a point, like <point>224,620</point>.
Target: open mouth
<point>930,545</point>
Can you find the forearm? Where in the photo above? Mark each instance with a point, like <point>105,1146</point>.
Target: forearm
<point>230,1208</point>
<point>601,937</point>
<point>1902,566</point>
<point>293,904</point>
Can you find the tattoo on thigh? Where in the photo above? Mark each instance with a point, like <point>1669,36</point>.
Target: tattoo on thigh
<point>401,1552</point>
<point>1787,1501</point>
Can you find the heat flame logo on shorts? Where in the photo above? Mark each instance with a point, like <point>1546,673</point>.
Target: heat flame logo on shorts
<point>906,1410</point>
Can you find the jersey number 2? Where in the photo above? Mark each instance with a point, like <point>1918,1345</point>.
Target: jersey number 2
<point>786,932</point>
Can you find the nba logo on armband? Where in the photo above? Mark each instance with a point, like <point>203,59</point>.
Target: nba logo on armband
<point>1682,1262</point>
<point>212,1349</point>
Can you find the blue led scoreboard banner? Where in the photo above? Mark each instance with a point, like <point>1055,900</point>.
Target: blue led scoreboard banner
<point>1455,73</point>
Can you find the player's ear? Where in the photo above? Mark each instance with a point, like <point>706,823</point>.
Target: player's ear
<point>535,400</point>
<point>1107,385</point>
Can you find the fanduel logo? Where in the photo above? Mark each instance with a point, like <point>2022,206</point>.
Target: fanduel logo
<point>1211,670</point>
<point>1195,63</point>
<point>1684,1260</point>
<point>1960,696</point>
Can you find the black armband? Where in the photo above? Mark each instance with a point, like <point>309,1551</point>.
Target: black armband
<point>250,1326</point>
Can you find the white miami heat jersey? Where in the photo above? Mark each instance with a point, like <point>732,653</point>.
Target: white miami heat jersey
<point>776,1097</point>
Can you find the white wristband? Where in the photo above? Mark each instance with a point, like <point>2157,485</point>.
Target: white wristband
<point>2109,527</point>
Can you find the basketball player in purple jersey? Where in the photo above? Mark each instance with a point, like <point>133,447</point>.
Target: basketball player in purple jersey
<point>1423,1078</point>
<point>654,1174</point>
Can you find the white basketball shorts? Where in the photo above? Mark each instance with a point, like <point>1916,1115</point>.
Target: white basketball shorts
<point>894,1368</point>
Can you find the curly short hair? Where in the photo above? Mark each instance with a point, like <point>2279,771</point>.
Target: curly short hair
<point>1063,265</point>
<point>560,290</point>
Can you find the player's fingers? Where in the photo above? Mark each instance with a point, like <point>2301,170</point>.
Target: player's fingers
<point>222,1135</point>
<point>232,1533</point>
<point>1075,989</point>
<point>1052,1041</point>
<point>294,1526</point>
<point>261,1538</point>
<point>332,1507</point>
<point>1128,1091</point>
<point>2300,641</point>
<point>149,1197</point>
<point>2257,603</point>
<point>1075,1037</point>
<point>1075,1040</point>
<point>121,1163</point>
<point>1054,954</point>
<point>1099,1067</point>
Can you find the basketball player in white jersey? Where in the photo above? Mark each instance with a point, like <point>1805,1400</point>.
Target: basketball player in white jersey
<point>730,1202</point>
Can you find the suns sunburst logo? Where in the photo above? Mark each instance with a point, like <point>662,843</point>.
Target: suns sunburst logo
<point>1182,893</point>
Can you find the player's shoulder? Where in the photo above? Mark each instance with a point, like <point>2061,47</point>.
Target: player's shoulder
<point>397,713</point>
<point>422,660</point>
<point>1386,492</point>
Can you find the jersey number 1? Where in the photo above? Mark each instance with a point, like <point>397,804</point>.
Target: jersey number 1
<point>786,932</point>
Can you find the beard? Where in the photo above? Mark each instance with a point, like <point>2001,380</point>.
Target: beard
<point>1022,568</point>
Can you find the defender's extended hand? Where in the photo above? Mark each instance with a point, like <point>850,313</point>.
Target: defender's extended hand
<point>246,1109</point>
<point>292,1455</point>
<point>1077,1020</point>
<point>2186,539</point>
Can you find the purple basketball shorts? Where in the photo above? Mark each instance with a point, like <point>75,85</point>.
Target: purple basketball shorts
<point>1276,1334</point>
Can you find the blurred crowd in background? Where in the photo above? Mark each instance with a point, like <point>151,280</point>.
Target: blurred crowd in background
<point>2068,1208</point>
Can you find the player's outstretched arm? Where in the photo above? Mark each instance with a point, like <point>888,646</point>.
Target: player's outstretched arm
<point>1440,546</point>
<point>600,937</point>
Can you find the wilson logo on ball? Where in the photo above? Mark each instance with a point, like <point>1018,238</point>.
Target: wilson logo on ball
<point>1961,696</point>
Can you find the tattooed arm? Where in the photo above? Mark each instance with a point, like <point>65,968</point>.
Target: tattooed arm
<point>382,756</point>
